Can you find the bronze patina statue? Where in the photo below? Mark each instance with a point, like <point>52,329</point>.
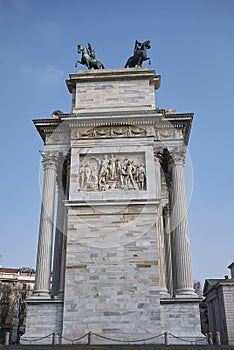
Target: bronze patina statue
<point>139,55</point>
<point>88,57</point>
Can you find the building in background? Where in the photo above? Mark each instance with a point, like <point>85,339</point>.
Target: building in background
<point>15,286</point>
<point>218,308</point>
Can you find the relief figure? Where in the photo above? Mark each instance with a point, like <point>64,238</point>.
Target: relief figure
<point>112,173</point>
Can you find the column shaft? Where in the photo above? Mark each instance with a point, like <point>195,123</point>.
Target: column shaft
<point>181,242</point>
<point>58,244</point>
<point>44,253</point>
<point>161,247</point>
<point>168,256</point>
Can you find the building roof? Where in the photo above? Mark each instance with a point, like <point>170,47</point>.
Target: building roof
<point>8,270</point>
<point>215,282</point>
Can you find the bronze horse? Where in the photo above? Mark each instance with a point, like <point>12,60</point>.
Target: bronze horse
<point>140,55</point>
<point>88,57</point>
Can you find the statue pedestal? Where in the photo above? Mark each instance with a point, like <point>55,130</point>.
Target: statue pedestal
<point>106,90</point>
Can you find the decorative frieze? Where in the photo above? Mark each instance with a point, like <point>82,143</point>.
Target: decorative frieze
<point>123,131</point>
<point>128,131</point>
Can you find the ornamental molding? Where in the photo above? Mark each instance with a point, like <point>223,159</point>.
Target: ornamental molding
<point>111,131</point>
<point>153,124</point>
<point>166,210</point>
<point>158,155</point>
<point>61,137</point>
<point>178,155</point>
<point>127,131</point>
<point>49,159</point>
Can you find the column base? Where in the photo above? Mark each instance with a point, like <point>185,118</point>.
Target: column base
<point>40,295</point>
<point>186,293</point>
<point>164,293</point>
<point>59,296</point>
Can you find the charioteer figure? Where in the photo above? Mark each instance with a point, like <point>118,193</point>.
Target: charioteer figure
<point>88,57</point>
<point>139,54</point>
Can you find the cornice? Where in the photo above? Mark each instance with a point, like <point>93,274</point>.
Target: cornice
<point>113,74</point>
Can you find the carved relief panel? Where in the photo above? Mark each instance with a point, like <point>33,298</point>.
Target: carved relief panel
<point>108,172</point>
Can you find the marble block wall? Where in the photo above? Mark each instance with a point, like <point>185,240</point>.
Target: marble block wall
<point>113,89</point>
<point>111,285</point>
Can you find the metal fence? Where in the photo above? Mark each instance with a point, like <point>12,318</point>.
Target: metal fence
<point>92,338</point>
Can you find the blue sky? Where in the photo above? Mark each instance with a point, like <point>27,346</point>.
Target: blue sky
<point>193,51</point>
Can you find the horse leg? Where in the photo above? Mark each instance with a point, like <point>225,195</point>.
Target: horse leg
<point>99,65</point>
<point>139,62</point>
<point>87,63</point>
<point>127,64</point>
<point>77,63</point>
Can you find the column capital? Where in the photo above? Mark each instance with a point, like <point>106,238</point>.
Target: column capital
<point>178,155</point>
<point>166,210</point>
<point>49,158</point>
<point>158,155</point>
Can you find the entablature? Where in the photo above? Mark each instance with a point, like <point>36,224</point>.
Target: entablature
<point>119,124</point>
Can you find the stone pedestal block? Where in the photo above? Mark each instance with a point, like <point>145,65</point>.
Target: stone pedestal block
<point>44,317</point>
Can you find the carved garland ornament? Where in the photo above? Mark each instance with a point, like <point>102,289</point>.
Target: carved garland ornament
<point>130,130</point>
<point>112,131</point>
<point>112,172</point>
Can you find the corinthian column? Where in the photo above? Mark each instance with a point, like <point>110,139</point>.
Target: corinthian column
<point>161,246</point>
<point>44,252</point>
<point>157,158</point>
<point>168,257</point>
<point>59,231</point>
<point>179,226</point>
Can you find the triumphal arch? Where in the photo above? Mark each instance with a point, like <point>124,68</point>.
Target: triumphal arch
<point>116,234</point>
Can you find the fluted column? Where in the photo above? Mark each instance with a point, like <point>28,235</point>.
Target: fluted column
<point>59,231</point>
<point>62,270</point>
<point>168,256</point>
<point>64,242</point>
<point>179,226</point>
<point>157,165</point>
<point>44,252</point>
<point>161,248</point>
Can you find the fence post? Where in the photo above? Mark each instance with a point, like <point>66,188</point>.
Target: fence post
<point>7,338</point>
<point>210,340</point>
<point>166,338</point>
<point>217,338</point>
<point>89,338</point>
<point>54,338</point>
